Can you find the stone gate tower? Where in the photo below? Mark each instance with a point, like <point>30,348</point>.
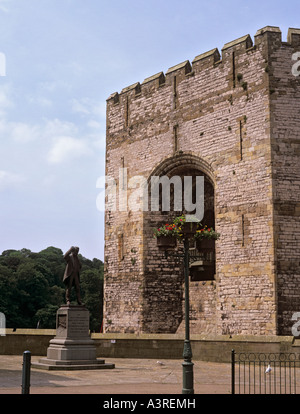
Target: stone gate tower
<point>234,119</point>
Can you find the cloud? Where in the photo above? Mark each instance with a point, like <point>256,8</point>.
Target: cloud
<point>2,64</point>
<point>65,142</point>
<point>67,148</point>
<point>56,127</point>
<point>8,179</point>
<point>46,131</point>
<point>17,131</point>
<point>4,5</point>
<point>94,114</point>
<point>40,101</point>
<point>95,124</point>
<point>80,107</point>
<point>5,101</point>
<point>23,133</point>
<point>89,107</point>
<point>55,140</point>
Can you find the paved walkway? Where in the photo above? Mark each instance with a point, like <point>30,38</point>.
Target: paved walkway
<point>130,376</point>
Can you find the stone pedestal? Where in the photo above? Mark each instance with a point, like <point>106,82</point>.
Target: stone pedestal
<point>72,347</point>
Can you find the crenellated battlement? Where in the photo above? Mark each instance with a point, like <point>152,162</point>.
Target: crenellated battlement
<point>264,39</point>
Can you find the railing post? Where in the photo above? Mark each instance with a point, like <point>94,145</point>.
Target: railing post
<point>232,371</point>
<point>26,372</point>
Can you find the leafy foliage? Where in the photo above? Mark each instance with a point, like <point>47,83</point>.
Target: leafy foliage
<point>176,230</point>
<point>31,287</point>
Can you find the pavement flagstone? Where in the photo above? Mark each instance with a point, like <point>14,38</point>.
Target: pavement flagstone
<point>130,376</point>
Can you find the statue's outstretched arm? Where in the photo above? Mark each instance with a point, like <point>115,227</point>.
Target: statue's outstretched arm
<point>67,254</point>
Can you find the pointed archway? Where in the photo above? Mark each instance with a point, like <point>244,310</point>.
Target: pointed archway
<point>163,274</point>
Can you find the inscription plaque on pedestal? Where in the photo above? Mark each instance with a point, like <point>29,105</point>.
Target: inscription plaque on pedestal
<point>72,347</point>
<point>72,322</point>
<point>78,324</point>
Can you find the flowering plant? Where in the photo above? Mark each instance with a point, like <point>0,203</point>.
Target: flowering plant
<point>179,221</point>
<point>175,230</point>
<point>166,230</point>
<point>206,233</point>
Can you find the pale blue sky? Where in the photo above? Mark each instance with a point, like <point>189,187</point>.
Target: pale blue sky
<point>63,59</point>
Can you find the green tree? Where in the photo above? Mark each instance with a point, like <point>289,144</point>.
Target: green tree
<point>31,287</point>
<point>92,294</point>
<point>52,260</point>
<point>12,259</point>
<point>8,292</point>
<point>46,317</point>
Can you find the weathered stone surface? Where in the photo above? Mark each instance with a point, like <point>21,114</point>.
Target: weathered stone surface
<point>72,347</point>
<point>235,120</point>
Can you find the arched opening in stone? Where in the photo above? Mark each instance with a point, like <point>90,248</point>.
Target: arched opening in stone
<point>163,270</point>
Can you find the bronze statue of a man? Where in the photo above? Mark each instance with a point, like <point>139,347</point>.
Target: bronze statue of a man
<point>71,275</point>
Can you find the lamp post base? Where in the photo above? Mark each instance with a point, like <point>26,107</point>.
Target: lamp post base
<point>188,377</point>
<point>187,369</point>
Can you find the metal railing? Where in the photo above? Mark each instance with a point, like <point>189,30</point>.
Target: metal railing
<point>265,373</point>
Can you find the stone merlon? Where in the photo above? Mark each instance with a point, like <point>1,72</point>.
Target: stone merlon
<point>213,56</point>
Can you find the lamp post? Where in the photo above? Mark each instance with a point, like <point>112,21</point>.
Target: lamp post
<point>189,229</point>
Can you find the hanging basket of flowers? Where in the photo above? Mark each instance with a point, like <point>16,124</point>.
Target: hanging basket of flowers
<point>205,238</point>
<point>166,235</point>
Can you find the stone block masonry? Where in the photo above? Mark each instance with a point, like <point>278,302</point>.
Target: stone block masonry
<point>232,117</point>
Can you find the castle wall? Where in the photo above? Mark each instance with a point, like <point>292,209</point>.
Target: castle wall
<point>212,115</point>
<point>285,134</point>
